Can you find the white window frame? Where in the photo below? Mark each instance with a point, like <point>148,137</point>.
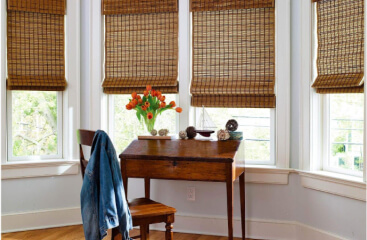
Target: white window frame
<point>272,160</point>
<point>70,121</point>
<point>59,155</point>
<point>325,150</point>
<point>314,115</point>
<point>187,117</point>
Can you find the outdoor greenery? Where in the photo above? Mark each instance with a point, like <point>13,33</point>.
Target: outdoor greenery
<point>346,131</point>
<point>34,123</point>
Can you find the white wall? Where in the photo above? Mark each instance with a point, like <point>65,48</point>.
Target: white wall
<point>342,216</point>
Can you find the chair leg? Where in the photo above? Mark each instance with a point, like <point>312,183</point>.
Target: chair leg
<point>169,233</point>
<point>144,232</point>
<point>116,234</point>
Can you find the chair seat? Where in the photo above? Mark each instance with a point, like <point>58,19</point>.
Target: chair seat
<point>145,207</point>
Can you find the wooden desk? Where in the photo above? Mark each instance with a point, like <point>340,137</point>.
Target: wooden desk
<point>193,160</point>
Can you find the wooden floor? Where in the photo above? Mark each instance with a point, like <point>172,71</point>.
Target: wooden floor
<point>76,233</point>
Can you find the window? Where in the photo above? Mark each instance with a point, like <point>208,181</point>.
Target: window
<point>36,78</point>
<point>125,126</point>
<point>34,125</point>
<point>258,132</point>
<point>338,100</point>
<point>343,135</point>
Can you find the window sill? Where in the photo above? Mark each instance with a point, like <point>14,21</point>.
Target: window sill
<point>266,174</point>
<point>334,183</point>
<point>48,168</point>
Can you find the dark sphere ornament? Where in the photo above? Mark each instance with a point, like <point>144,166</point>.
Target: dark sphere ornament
<point>191,132</point>
<point>232,125</point>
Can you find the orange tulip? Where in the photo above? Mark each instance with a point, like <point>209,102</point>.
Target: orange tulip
<point>159,93</point>
<point>144,108</point>
<point>150,115</point>
<point>146,93</point>
<point>134,94</point>
<point>147,104</point>
<point>140,101</point>
<point>134,102</point>
<point>163,104</point>
<point>173,104</point>
<point>152,92</point>
<point>162,98</point>
<point>138,97</point>
<point>129,107</point>
<point>149,87</point>
<point>178,109</point>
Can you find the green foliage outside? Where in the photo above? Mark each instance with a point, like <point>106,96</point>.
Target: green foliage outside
<point>346,131</point>
<point>34,123</point>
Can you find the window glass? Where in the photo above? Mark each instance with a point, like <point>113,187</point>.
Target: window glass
<point>34,123</point>
<point>125,126</point>
<point>254,123</point>
<point>346,132</point>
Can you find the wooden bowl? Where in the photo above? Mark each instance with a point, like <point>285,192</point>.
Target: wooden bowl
<point>205,133</point>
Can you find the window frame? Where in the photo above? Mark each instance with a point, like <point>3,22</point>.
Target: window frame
<point>313,146</point>
<point>70,102</point>
<point>187,117</point>
<point>59,154</point>
<point>272,160</point>
<point>325,150</point>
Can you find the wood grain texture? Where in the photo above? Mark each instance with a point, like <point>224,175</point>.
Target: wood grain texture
<point>182,150</point>
<point>76,233</point>
<point>184,160</point>
<point>176,170</point>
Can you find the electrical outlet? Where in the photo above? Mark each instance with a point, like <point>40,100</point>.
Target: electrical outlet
<point>190,193</point>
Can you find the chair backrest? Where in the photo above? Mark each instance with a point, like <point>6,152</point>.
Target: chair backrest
<point>85,137</point>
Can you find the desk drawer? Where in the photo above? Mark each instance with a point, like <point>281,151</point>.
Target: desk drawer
<point>177,170</point>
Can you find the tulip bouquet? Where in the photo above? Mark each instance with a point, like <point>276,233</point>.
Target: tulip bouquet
<point>150,106</point>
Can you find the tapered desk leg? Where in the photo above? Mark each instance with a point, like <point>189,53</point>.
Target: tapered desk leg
<point>230,208</point>
<point>242,199</point>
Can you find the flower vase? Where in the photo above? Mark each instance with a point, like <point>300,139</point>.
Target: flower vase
<point>149,123</point>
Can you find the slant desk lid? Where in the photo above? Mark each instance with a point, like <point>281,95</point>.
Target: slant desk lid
<point>188,150</point>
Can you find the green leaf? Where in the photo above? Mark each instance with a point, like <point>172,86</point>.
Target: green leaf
<point>138,115</point>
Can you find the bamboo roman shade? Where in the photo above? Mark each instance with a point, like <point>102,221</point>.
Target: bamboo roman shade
<point>233,53</point>
<point>141,45</point>
<point>35,45</point>
<point>340,51</point>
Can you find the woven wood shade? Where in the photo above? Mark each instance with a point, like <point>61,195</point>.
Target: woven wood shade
<point>217,5</point>
<point>114,7</point>
<point>140,50</point>
<point>38,6</point>
<point>233,57</point>
<point>35,46</point>
<point>340,52</point>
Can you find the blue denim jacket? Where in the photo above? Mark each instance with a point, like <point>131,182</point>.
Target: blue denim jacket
<point>102,197</point>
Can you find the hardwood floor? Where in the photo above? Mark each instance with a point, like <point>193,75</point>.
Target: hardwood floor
<point>76,233</point>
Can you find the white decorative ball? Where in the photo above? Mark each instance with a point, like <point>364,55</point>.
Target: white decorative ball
<point>223,135</point>
<point>183,134</point>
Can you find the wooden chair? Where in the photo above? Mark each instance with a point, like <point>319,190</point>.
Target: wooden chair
<point>144,211</point>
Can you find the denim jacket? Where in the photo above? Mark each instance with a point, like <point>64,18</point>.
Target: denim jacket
<point>103,202</point>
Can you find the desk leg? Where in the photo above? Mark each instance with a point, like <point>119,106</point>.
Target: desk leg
<point>242,199</point>
<point>230,208</point>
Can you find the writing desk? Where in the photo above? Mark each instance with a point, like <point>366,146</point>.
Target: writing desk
<point>192,160</point>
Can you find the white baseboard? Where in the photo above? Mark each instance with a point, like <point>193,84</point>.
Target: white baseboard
<point>188,223</point>
<point>41,219</point>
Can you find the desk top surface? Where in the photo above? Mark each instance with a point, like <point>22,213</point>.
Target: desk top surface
<point>189,150</point>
